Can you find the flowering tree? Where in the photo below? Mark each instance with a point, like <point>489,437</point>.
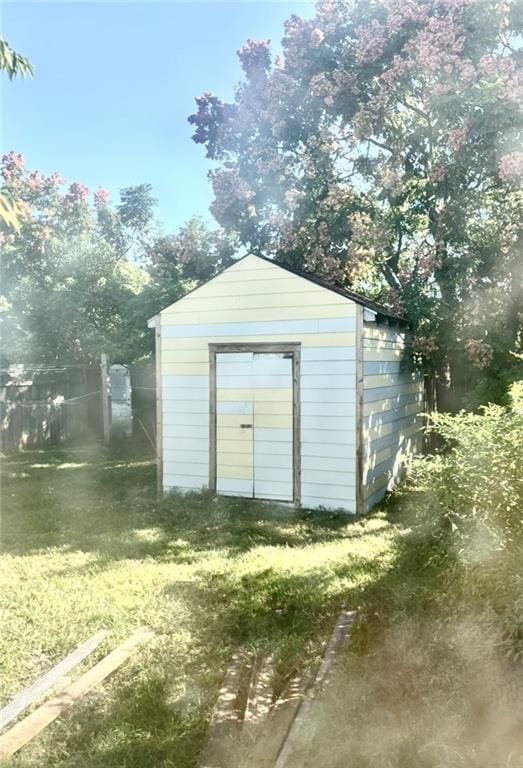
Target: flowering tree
<point>382,152</point>
<point>66,274</point>
<point>82,276</point>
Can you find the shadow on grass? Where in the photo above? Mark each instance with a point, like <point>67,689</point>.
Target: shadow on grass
<point>94,502</point>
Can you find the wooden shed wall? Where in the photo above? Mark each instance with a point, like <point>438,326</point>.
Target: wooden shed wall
<point>255,301</point>
<point>392,408</point>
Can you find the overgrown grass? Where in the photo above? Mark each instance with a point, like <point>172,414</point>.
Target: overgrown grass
<point>86,545</point>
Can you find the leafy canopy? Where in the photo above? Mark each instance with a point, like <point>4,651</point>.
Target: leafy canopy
<point>382,151</point>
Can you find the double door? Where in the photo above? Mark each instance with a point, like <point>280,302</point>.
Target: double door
<point>254,427</point>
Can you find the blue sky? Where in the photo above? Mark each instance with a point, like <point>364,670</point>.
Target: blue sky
<point>115,83</point>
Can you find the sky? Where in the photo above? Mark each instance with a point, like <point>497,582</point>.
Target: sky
<point>115,82</point>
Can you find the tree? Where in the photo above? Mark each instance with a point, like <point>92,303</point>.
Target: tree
<point>66,275</point>
<point>13,64</point>
<point>82,276</point>
<point>382,151</point>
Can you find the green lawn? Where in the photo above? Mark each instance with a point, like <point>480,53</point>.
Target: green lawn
<point>86,546</point>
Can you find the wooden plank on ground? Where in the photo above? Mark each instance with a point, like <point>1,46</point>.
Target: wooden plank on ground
<point>259,698</point>
<point>338,640</point>
<point>226,717</point>
<point>49,680</point>
<point>30,726</point>
<point>276,728</point>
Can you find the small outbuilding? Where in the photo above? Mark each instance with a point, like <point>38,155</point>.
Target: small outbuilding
<point>273,384</point>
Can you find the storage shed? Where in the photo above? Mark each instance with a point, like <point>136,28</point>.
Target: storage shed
<point>273,384</point>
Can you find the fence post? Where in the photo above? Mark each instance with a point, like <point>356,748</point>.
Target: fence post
<point>106,410</point>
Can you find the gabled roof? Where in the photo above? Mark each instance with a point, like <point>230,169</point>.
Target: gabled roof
<point>378,309</point>
<point>357,297</point>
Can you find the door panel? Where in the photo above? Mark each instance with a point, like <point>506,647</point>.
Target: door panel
<point>254,425</point>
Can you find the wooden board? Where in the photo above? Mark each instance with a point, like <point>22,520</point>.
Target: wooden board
<point>33,724</point>
<point>226,717</point>
<point>338,640</point>
<point>47,681</point>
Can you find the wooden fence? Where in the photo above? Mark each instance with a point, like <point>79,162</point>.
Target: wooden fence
<point>50,405</point>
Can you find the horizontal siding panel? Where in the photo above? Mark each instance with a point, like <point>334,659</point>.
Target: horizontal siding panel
<point>238,486</point>
<point>381,483</point>
<point>278,420</point>
<point>336,381</point>
<point>243,407</point>
<point>328,477</point>
<point>244,312</point>
<point>328,409</point>
<point>238,471</point>
<point>269,474</point>
<point>379,367</point>
<point>384,417</point>
<point>383,393</point>
<point>186,406</point>
<point>345,423</point>
<point>382,334</point>
<point>396,439</point>
<point>331,436</point>
<point>281,450</point>
<point>185,444</point>
<point>389,380</point>
<point>275,328</point>
<point>281,461</point>
<point>188,419</point>
<point>271,408</point>
<point>397,425</point>
<point>235,457</point>
<point>273,488</point>
<point>183,430</point>
<point>390,403</point>
<point>185,355</point>
<point>344,464</point>
<point>337,492</point>
<point>321,354</point>
<point>180,395</point>
<point>312,339</point>
<point>185,382</point>
<point>191,469</point>
<point>374,499</point>
<point>334,367</point>
<point>264,434</point>
<point>371,354</point>
<point>179,455</point>
<point>270,381</point>
<point>185,369</point>
<point>346,451</point>
<point>328,395</point>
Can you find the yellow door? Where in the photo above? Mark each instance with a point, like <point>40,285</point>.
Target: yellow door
<point>254,440</point>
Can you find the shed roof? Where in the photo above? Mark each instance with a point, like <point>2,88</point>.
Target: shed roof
<point>357,297</point>
<point>379,309</point>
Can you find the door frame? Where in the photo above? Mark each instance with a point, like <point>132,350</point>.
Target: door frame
<point>286,347</point>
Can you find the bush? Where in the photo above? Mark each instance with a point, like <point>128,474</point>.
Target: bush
<point>474,484</point>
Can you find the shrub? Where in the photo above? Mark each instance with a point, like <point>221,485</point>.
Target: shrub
<point>474,484</point>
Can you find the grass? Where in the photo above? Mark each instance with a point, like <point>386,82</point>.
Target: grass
<point>86,546</point>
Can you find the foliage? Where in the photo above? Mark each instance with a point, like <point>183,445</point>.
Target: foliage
<point>13,63</point>
<point>82,276</point>
<point>475,484</point>
<point>382,151</point>
<point>66,276</point>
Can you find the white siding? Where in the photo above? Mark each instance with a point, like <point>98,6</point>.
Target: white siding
<point>392,410</point>
<point>255,301</point>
